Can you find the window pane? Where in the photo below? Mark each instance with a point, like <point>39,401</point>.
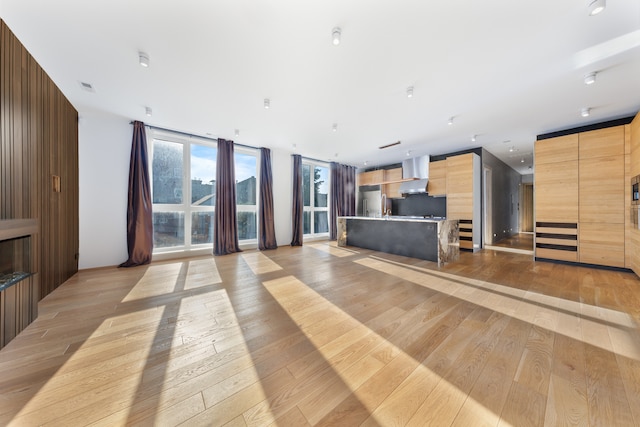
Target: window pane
<point>201,228</point>
<point>320,187</point>
<point>167,172</point>
<point>306,222</point>
<point>246,171</point>
<point>247,226</point>
<point>320,222</point>
<point>306,185</point>
<point>168,229</point>
<point>203,175</point>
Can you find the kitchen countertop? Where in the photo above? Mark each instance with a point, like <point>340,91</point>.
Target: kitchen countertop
<point>398,218</point>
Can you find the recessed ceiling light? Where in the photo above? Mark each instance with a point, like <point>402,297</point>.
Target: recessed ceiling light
<point>267,103</point>
<point>144,59</point>
<point>410,92</point>
<point>335,35</point>
<point>585,112</point>
<point>596,6</point>
<point>148,111</point>
<point>590,79</point>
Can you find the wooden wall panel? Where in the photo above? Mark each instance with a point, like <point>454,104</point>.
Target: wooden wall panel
<point>634,234</point>
<point>39,139</point>
<point>602,244</point>
<point>556,187</point>
<point>602,187</point>
<point>602,143</point>
<point>555,150</point>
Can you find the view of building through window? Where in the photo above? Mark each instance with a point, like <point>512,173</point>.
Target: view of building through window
<point>315,195</point>
<point>183,214</point>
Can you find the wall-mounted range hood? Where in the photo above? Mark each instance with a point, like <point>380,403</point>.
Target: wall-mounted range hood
<point>416,168</point>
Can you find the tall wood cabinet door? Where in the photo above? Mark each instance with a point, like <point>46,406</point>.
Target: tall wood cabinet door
<point>602,244</point>
<point>602,143</point>
<point>602,190</point>
<point>556,150</point>
<point>556,187</point>
<point>460,186</point>
<point>437,178</point>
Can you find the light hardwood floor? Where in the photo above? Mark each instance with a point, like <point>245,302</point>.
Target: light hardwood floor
<point>328,336</point>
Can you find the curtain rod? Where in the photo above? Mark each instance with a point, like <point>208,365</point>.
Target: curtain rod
<point>195,136</point>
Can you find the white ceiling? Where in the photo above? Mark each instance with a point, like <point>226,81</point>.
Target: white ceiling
<point>505,70</point>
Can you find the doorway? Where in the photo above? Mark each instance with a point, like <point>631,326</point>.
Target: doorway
<point>526,208</point>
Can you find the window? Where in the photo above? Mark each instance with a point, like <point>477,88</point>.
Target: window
<point>315,196</point>
<point>184,192</point>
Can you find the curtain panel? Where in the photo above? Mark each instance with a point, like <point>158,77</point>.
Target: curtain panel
<point>297,211</point>
<point>225,239</point>
<point>139,203</point>
<point>343,195</point>
<point>267,232</point>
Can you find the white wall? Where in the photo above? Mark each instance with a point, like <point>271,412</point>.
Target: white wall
<point>104,149</point>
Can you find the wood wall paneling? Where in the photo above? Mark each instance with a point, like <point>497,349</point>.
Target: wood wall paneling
<point>601,190</point>
<point>602,244</point>
<point>39,139</point>
<point>602,143</point>
<point>556,186</point>
<point>633,259</point>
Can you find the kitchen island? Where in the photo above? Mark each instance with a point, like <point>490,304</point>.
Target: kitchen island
<point>430,239</point>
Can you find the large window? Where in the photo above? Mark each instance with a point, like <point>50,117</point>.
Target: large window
<point>315,195</point>
<point>184,192</point>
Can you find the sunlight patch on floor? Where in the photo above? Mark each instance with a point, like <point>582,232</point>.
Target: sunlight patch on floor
<point>608,329</point>
<point>332,249</point>
<point>355,368</point>
<point>260,263</point>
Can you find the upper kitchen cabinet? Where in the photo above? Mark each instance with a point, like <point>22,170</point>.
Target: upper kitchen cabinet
<point>392,181</point>
<point>437,178</point>
<point>371,178</point>
<point>463,197</point>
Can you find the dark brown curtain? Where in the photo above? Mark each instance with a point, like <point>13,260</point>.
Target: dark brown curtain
<point>343,195</point>
<point>139,206</point>
<point>267,236</point>
<point>225,238</point>
<point>296,216</point>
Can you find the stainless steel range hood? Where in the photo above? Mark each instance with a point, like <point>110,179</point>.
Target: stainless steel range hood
<point>416,168</point>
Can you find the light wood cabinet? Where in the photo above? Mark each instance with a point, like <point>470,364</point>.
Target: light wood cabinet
<point>371,177</point>
<point>437,178</point>
<point>632,233</point>
<point>580,205</point>
<point>463,197</point>
<point>392,179</point>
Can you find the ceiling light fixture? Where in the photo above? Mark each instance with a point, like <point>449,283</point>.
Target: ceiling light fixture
<point>366,163</point>
<point>410,92</point>
<point>267,103</point>
<point>521,160</point>
<point>585,112</point>
<point>335,127</point>
<point>236,132</point>
<point>408,153</point>
<point>512,149</point>
<point>596,6</point>
<point>336,36</point>
<point>590,79</point>
<point>148,111</point>
<point>450,122</point>
<point>144,59</point>
<point>473,138</point>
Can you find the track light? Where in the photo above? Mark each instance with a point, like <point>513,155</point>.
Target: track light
<point>585,112</point>
<point>596,6</point>
<point>144,59</point>
<point>148,111</point>
<point>336,35</point>
<point>590,79</point>
<point>267,103</point>
<point>410,92</point>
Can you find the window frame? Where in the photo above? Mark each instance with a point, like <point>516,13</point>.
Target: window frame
<point>311,208</point>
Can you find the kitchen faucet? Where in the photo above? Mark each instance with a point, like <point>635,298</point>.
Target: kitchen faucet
<point>385,212</point>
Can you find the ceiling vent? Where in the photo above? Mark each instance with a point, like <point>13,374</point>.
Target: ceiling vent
<point>87,87</point>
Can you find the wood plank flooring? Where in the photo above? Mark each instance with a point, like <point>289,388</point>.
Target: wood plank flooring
<point>326,336</point>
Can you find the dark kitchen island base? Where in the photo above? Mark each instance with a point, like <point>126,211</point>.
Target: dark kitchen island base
<point>432,240</point>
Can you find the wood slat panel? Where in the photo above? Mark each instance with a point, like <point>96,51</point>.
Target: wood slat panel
<point>555,254</point>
